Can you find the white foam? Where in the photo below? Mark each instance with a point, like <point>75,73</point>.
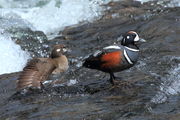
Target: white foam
<point>12,57</point>
<point>172,3</point>
<point>50,18</point>
<point>72,82</point>
<point>142,1</point>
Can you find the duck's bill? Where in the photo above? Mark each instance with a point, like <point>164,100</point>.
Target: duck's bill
<point>142,40</point>
<point>119,38</point>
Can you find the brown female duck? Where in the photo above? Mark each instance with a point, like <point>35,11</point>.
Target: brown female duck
<point>38,70</point>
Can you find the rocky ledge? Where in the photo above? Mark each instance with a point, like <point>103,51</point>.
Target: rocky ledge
<point>91,97</point>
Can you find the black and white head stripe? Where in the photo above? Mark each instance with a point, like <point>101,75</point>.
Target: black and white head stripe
<point>137,36</point>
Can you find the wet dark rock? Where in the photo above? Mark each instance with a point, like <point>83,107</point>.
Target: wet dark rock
<point>92,97</point>
<point>35,42</point>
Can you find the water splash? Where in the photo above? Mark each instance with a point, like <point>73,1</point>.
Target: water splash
<point>165,3</point>
<point>12,57</point>
<point>169,78</point>
<point>51,18</point>
<point>72,82</point>
<point>171,84</point>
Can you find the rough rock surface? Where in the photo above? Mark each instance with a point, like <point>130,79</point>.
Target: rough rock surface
<point>35,42</point>
<point>143,91</point>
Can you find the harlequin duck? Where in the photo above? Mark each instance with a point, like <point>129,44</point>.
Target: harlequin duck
<point>116,58</point>
<point>38,70</point>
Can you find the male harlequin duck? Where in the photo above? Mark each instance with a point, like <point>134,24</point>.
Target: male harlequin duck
<point>116,58</point>
<point>39,69</point>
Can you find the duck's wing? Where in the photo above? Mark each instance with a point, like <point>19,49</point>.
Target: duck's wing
<point>35,72</point>
<point>100,57</point>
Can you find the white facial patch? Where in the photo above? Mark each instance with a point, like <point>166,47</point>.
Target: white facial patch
<point>112,47</point>
<point>128,37</point>
<point>58,50</point>
<point>137,37</point>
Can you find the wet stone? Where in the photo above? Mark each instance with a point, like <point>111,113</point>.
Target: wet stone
<point>35,42</point>
<point>92,97</point>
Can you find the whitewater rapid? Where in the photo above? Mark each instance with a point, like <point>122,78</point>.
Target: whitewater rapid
<point>49,17</point>
<point>12,57</point>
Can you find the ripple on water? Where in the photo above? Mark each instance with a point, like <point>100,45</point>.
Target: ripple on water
<point>170,85</point>
<point>168,76</point>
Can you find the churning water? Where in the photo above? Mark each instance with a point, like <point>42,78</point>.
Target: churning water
<point>48,16</point>
<point>172,3</point>
<point>12,57</point>
<point>52,15</point>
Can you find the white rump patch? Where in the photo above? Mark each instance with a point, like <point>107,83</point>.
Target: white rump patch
<point>112,47</point>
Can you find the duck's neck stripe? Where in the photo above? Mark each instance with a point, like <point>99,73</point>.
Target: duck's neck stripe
<point>135,50</point>
<point>127,57</point>
<point>112,47</point>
